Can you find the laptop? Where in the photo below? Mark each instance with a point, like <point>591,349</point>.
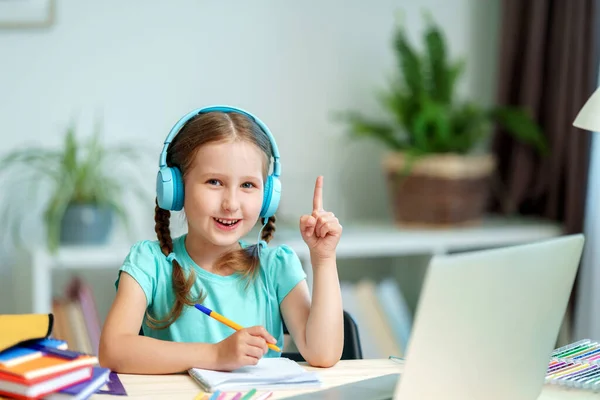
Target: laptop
<point>486,324</point>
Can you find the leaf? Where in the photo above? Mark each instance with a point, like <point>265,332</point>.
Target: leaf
<point>363,127</point>
<point>54,214</point>
<point>69,164</point>
<point>432,130</point>
<point>36,158</point>
<point>410,64</point>
<point>517,122</point>
<point>402,105</point>
<point>454,72</point>
<point>470,124</point>
<point>439,75</point>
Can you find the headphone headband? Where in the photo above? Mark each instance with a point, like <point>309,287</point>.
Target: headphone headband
<point>222,108</point>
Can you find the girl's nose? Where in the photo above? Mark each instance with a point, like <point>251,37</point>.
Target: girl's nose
<point>230,202</point>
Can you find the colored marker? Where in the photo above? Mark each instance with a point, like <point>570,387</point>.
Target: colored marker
<point>228,322</point>
<point>249,394</point>
<point>554,374</point>
<point>571,346</point>
<point>583,351</point>
<point>594,351</point>
<point>556,368</point>
<point>573,375</point>
<point>573,382</point>
<point>575,350</point>
<point>559,367</point>
<point>238,396</point>
<point>565,371</point>
<point>215,395</point>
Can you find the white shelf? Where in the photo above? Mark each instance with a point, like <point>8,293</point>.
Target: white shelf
<point>33,274</point>
<point>89,257</point>
<point>358,240</point>
<point>380,239</point>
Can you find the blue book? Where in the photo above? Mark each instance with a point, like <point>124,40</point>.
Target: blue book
<point>19,353</point>
<point>83,390</point>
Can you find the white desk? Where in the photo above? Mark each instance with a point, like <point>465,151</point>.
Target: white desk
<point>32,276</point>
<point>151,387</point>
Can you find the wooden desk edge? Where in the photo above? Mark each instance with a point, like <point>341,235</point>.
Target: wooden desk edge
<point>182,386</point>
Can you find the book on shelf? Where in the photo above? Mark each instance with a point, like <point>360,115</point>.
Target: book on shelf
<point>382,315</point>
<point>76,317</point>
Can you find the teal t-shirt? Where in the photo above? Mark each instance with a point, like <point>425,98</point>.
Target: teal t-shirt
<point>251,304</point>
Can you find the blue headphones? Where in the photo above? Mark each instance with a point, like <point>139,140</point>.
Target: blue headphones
<point>169,183</point>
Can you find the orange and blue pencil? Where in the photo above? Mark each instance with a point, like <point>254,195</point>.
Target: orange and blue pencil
<point>228,322</point>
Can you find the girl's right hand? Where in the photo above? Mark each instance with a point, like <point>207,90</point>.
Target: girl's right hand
<point>245,347</point>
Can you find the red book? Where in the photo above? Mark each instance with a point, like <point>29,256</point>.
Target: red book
<point>35,388</point>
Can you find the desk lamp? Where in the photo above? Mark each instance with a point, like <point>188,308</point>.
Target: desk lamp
<point>588,117</point>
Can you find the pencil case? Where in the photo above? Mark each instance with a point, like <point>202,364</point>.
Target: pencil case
<point>576,365</point>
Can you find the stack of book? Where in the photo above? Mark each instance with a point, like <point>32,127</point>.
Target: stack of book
<point>47,369</point>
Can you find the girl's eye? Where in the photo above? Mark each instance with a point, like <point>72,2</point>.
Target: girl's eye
<point>213,182</point>
<point>248,185</point>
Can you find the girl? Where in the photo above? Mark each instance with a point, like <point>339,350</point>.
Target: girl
<point>216,168</point>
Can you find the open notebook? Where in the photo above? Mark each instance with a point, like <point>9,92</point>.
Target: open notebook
<point>269,373</point>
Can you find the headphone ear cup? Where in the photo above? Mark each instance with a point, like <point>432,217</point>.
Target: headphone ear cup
<point>164,188</point>
<point>272,195</point>
<point>266,197</point>
<point>169,189</point>
<point>177,189</point>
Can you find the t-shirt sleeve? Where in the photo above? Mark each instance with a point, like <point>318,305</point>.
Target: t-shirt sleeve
<point>141,264</point>
<point>286,271</point>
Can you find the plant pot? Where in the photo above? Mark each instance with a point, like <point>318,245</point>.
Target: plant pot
<point>86,224</point>
<point>439,190</point>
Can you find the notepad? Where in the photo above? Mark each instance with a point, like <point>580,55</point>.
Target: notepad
<point>269,373</point>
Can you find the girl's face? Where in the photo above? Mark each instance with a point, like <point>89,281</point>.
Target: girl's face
<point>224,191</point>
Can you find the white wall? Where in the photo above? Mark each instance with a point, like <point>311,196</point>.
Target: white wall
<point>144,64</point>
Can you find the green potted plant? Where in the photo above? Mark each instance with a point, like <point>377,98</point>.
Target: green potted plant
<point>437,167</point>
<point>83,185</point>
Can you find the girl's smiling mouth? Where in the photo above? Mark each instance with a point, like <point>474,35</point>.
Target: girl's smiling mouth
<point>226,223</point>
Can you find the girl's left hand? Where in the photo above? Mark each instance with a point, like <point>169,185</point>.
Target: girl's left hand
<point>321,230</point>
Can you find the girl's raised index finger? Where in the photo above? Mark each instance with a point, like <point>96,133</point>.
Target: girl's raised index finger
<point>318,197</point>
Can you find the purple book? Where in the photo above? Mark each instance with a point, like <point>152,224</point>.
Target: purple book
<point>85,389</point>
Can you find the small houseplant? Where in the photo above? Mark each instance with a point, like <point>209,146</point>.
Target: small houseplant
<point>437,168</point>
<point>83,185</point>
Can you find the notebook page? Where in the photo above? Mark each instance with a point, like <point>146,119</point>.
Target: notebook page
<point>268,371</point>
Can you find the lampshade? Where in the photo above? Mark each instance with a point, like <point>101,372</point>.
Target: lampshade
<point>589,115</point>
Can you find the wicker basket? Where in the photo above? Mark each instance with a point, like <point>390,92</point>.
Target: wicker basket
<point>440,190</point>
